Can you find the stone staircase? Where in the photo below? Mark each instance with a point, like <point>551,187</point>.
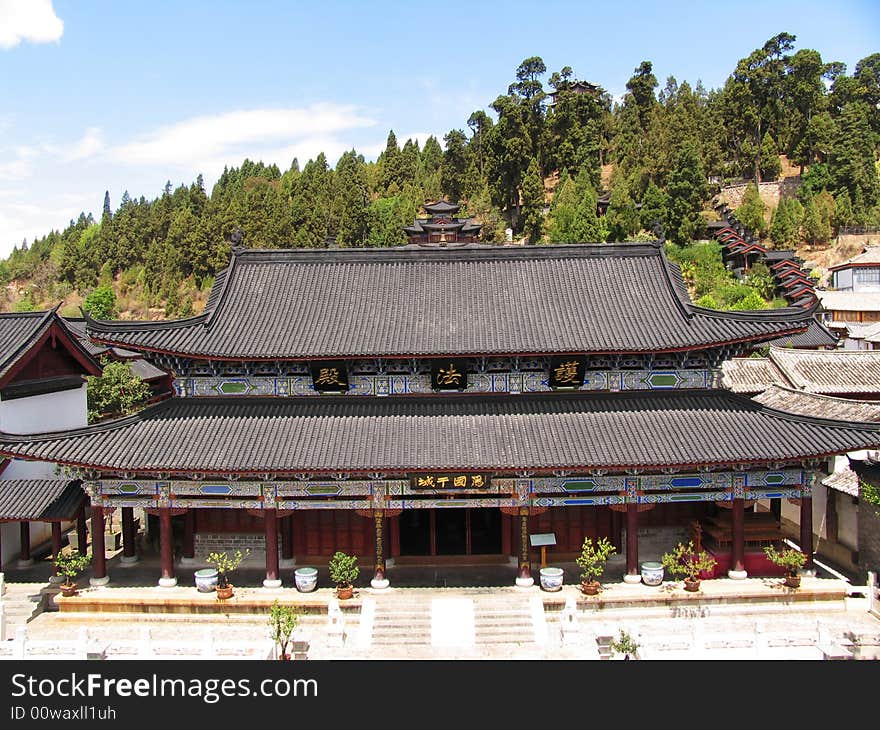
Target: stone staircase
<point>455,624</point>
<point>20,603</point>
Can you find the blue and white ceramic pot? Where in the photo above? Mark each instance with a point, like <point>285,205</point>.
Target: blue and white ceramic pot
<point>652,573</point>
<point>306,579</point>
<point>206,580</point>
<point>551,579</point>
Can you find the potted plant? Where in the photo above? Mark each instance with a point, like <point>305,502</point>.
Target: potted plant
<point>70,565</point>
<point>592,563</point>
<point>344,571</point>
<point>685,562</point>
<point>282,622</point>
<point>789,560</point>
<point>225,564</point>
<point>624,644</point>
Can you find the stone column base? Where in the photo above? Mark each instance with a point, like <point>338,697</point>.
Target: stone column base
<point>129,560</point>
<point>167,582</point>
<point>99,581</point>
<point>379,584</point>
<point>287,563</point>
<point>272,583</point>
<point>24,563</point>
<point>524,582</point>
<point>186,562</point>
<point>737,574</point>
<point>632,579</point>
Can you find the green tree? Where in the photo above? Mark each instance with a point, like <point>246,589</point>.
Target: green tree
<point>851,160</point>
<point>622,216</point>
<point>116,392</point>
<point>785,225</point>
<point>770,164</point>
<point>655,209</point>
<point>533,202</point>
<point>818,217</point>
<point>562,211</point>
<point>687,191</point>
<point>101,303</point>
<point>751,211</point>
<point>454,165</point>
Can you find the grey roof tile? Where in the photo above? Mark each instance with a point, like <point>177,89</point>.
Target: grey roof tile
<point>249,435</point>
<point>308,303</point>
<point>40,499</point>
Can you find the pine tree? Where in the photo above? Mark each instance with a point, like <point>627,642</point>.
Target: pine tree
<point>454,165</point>
<point>786,223</point>
<point>751,211</point>
<point>655,209</point>
<point>562,211</point>
<point>770,165</point>
<point>687,191</point>
<point>533,202</point>
<point>622,217</point>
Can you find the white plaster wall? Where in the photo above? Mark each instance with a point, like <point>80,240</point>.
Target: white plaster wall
<point>50,412</point>
<point>843,279</point>
<point>10,534</point>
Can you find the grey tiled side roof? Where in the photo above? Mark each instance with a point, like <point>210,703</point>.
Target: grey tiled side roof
<point>480,300</point>
<point>19,332</point>
<point>830,371</point>
<point>750,374</point>
<point>253,435</point>
<point>817,335</point>
<point>819,406</point>
<point>40,499</point>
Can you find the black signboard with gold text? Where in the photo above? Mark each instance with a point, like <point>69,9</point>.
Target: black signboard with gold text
<point>449,374</point>
<point>450,480</point>
<point>567,371</point>
<point>329,376</point>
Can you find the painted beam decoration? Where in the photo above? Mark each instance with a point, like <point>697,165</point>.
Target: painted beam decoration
<point>449,374</point>
<point>450,480</point>
<point>567,372</point>
<point>329,376</point>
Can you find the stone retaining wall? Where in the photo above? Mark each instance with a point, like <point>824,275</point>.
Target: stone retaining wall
<point>208,542</point>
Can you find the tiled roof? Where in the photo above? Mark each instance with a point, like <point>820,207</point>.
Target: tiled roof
<point>252,435</point>
<point>829,371</point>
<point>40,499</point>
<point>19,332</point>
<point>750,374</point>
<point>817,335</point>
<point>870,256</point>
<point>470,300</point>
<point>849,301</point>
<point>819,406</point>
<point>845,480</point>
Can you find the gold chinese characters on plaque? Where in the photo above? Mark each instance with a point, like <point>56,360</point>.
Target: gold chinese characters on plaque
<point>451,480</point>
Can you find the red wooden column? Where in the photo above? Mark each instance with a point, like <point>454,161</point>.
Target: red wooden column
<point>166,548</point>
<point>56,551</point>
<point>524,579</point>
<point>99,560</point>
<point>129,550</point>
<point>379,580</point>
<point>807,531</point>
<point>737,549</point>
<point>633,575</point>
<point>270,521</point>
<point>24,555</point>
<point>287,541</point>
<point>82,533</point>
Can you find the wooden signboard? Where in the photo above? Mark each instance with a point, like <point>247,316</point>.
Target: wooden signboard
<point>567,371</point>
<point>329,376</point>
<point>449,374</point>
<point>450,480</point>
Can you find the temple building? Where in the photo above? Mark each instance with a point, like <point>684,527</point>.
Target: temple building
<point>442,226</point>
<point>448,400</point>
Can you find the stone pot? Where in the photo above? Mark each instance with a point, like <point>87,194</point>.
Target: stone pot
<point>652,573</point>
<point>206,580</point>
<point>306,579</point>
<point>551,579</point>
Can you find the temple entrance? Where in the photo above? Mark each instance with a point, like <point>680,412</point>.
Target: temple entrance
<point>468,531</point>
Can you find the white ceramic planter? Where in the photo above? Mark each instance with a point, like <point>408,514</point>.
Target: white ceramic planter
<point>206,580</point>
<point>306,579</point>
<point>652,573</point>
<point>551,579</point>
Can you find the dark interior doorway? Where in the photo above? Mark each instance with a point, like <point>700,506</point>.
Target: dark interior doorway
<point>453,531</point>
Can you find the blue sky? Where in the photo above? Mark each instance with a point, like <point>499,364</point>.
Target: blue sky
<point>106,95</point>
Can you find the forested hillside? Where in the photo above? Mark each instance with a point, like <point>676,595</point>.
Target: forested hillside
<point>537,161</point>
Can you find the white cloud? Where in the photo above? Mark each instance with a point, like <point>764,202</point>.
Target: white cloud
<point>201,143</point>
<point>91,143</point>
<point>28,20</point>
